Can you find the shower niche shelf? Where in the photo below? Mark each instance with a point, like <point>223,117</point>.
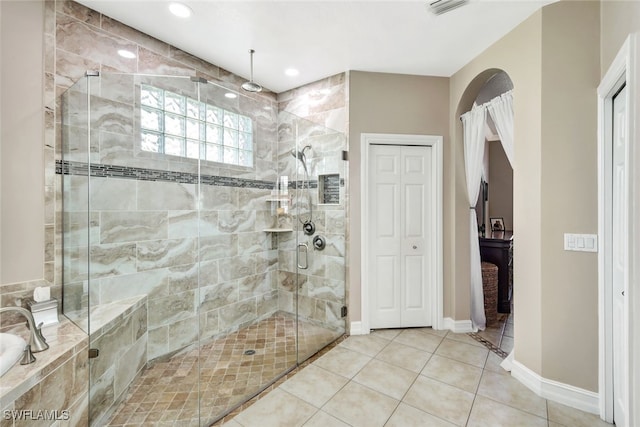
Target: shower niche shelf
<point>280,200</point>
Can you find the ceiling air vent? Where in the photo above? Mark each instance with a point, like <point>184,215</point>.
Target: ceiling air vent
<point>439,7</point>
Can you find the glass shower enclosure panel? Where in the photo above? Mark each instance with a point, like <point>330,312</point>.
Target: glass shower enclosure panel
<point>203,243</point>
<point>131,197</point>
<point>320,219</point>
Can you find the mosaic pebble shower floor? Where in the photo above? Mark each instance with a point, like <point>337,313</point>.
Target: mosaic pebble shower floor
<point>167,392</point>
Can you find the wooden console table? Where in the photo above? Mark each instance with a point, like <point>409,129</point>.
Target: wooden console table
<point>497,248</point>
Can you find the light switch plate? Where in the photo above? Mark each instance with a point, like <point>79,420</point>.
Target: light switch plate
<point>581,242</point>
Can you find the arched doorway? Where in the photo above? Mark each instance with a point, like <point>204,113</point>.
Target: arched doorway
<point>494,206</point>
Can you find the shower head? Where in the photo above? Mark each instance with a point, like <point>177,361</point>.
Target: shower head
<point>301,156</point>
<point>251,86</point>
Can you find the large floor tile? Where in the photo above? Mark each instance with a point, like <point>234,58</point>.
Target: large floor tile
<point>278,408</point>
<point>322,419</point>
<point>418,339</point>
<point>365,344</point>
<point>386,378</point>
<point>387,334</point>
<point>360,406</point>
<point>452,372</point>
<point>343,361</point>
<point>463,352</point>
<point>314,385</point>
<point>571,417</point>
<point>506,389</point>
<point>493,364</point>
<point>404,356</point>
<point>407,416</point>
<point>439,399</point>
<point>506,344</point>
<point>465,339</point>
<point>488,413</point>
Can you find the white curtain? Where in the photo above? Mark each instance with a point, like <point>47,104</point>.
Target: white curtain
<point>473,123</point>
<point>501,111</point>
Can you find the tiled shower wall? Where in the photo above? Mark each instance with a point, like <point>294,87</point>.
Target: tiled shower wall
<point>78,39</point>
<point>193,243</point>
<point>322,287</point>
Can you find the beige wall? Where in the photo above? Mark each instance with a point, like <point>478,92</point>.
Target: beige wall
<point>570,76</point>
<point>22,175</point>
<point>618,20</point>
<point>519,54</point>
<point>391,103</point>
<point>552,59</point>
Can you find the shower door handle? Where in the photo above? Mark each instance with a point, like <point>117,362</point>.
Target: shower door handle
<point>303,248</point>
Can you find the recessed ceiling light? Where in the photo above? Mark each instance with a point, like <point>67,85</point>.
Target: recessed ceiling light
<point>180,10</point>
<point>230,95</point>
<point>291,72</point>
<point>126,53</point>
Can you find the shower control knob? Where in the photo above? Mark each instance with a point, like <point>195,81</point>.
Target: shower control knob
<point>319,243</point>
<point>415,247</point>
<point>309,228</point>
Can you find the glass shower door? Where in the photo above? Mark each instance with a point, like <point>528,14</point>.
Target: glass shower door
<point>320,211</point>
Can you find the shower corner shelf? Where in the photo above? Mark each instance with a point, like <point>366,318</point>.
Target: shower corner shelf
<point>279,198</point>
<point>278,230</point>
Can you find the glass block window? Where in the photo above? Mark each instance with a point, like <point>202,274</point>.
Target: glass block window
<point>174,124</point>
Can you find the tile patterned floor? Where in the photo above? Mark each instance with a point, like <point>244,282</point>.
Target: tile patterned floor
<point>404,378</point>
<point>167,393</point>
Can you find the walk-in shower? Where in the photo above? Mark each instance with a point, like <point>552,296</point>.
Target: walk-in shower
<point>183,237</point>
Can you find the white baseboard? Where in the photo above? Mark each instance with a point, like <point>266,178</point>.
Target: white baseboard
<point>458,326</point>
<point>355,328</point>
<point>565,394</point>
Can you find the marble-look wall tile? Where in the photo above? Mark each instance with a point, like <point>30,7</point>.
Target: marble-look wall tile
<point>152,63</point>
<point>253,242</point>
<point>217,247</point>
<point>239,313</point>
<point>256,285</point>
<point>156,196</point>
<point>267,304</point>
<point>171,309</point>
<point>218,295</point>
<point>110,194</point>
<point>236,221</point>
<point>132,226</point>
<point>117,87</point>
<point>158,344</point>
<point>184,224</point>
<point>129,365</point>
<point>183,333</point>
<point>186,277</point>
<point>78,11</point>
<point>154,283</point>
<point>102,394</point>
<point>72,36</point>
<point>237,267</point>
<point>218,198</point>
<point>209,324</point>
<point>111,259</point>
<point>166,253</point>
<point>115,27</point>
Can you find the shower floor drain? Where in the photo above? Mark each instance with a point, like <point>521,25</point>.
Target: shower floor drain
<point>250,352</point>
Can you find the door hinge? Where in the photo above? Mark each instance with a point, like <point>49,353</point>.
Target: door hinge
<point>93,353</point>
<point>345,155</point>
<point>344,311</point>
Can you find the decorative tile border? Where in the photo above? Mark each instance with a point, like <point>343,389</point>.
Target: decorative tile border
<point>65,167</point>
<point>491,346</point>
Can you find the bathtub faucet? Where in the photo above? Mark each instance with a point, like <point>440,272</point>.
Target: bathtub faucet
<point>37,342</point>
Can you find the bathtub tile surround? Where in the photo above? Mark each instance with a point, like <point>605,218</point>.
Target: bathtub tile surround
<point>56,381</point>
